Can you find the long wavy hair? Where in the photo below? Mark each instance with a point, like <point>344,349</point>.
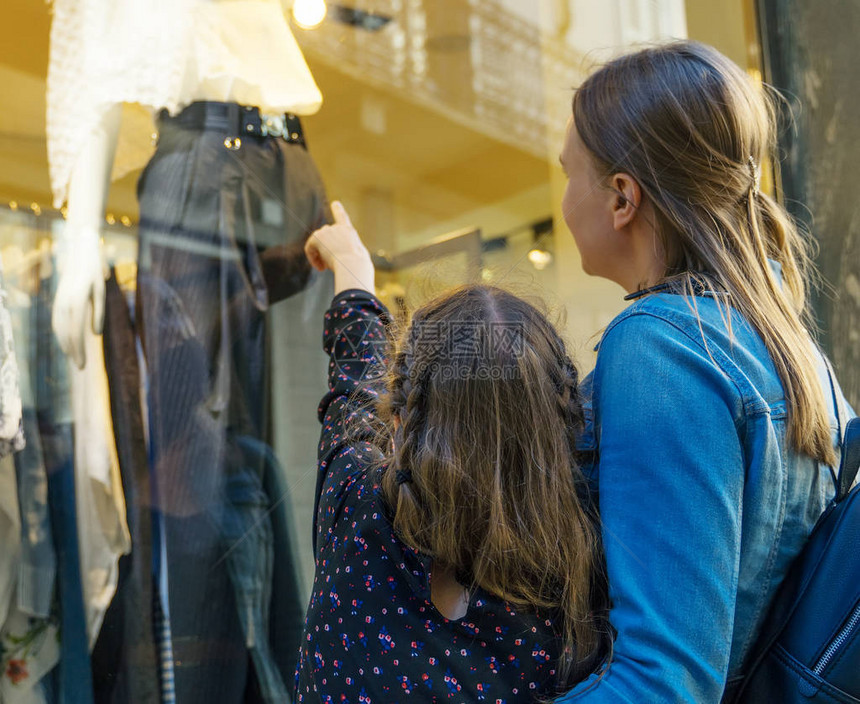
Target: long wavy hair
<point>478,425</point>
<point>691,127</point>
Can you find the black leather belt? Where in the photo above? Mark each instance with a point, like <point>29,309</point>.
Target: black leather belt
<point>236,120</point>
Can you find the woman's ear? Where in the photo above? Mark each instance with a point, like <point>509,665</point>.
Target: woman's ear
<point>628,197</point>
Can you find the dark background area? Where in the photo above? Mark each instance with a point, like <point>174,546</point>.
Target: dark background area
<point>810,52</point>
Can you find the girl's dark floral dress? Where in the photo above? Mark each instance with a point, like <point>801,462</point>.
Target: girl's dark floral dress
<point>372,634</point>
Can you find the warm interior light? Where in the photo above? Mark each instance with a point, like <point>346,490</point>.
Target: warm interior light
<point>309,14</point>
<point>540,258</point>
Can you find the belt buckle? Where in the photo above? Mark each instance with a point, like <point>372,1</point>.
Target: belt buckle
<point>273,125</point>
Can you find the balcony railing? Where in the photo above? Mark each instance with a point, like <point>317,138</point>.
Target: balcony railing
<point>474,62</point>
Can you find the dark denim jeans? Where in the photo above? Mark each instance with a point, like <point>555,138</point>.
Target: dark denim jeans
<point>221,236</point>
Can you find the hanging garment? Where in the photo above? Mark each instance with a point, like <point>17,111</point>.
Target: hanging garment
<point>72,676</point>
<point>223,222</point>
<point>44,638</point>
<point>29,627</point>
<point>11,428</point>
<point>43,381</point>
<point>11,440</point>
<point>102,530</point>
<point>125,658</point>
<point>38,568</point>
<point>28,646</point>
<point>10,552</point>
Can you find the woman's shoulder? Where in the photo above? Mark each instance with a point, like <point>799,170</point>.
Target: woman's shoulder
<point>693,335</point>
<point>664,314</point>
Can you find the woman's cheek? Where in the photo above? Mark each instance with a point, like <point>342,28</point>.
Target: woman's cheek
<point>566,210</point>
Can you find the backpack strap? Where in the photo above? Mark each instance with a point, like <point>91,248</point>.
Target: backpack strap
<point>848,434</point>
<point>850,458</point>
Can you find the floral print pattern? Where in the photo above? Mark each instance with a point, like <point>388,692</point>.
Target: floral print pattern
<point>26,648</point>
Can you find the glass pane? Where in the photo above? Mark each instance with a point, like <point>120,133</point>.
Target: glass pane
<point>167,490</point>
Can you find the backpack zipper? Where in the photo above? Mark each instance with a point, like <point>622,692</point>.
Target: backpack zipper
<point>837,642</point>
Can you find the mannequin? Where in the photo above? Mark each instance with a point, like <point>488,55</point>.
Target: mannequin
<point>82,173</point>
<point>225,203</point>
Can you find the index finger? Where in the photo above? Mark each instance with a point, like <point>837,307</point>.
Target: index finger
<point>340,215</point>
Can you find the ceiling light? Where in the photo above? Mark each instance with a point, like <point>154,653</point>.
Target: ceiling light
<point>540,258</point>
<point>309,14</point>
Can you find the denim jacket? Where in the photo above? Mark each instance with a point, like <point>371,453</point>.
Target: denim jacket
<point>704,503</point>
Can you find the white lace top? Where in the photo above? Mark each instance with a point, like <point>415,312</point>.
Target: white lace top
<point>164,54</point>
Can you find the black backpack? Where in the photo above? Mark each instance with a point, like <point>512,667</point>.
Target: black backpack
<point>808,649</point>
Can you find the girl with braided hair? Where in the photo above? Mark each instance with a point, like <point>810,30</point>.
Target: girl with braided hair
<point>712,412</point>
<point>457,554</point>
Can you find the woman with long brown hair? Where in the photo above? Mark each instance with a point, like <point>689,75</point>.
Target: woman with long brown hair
<point>712,411</point>
<point>457,554</point>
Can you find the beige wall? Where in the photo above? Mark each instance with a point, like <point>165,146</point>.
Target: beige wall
<point>728,25</point>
